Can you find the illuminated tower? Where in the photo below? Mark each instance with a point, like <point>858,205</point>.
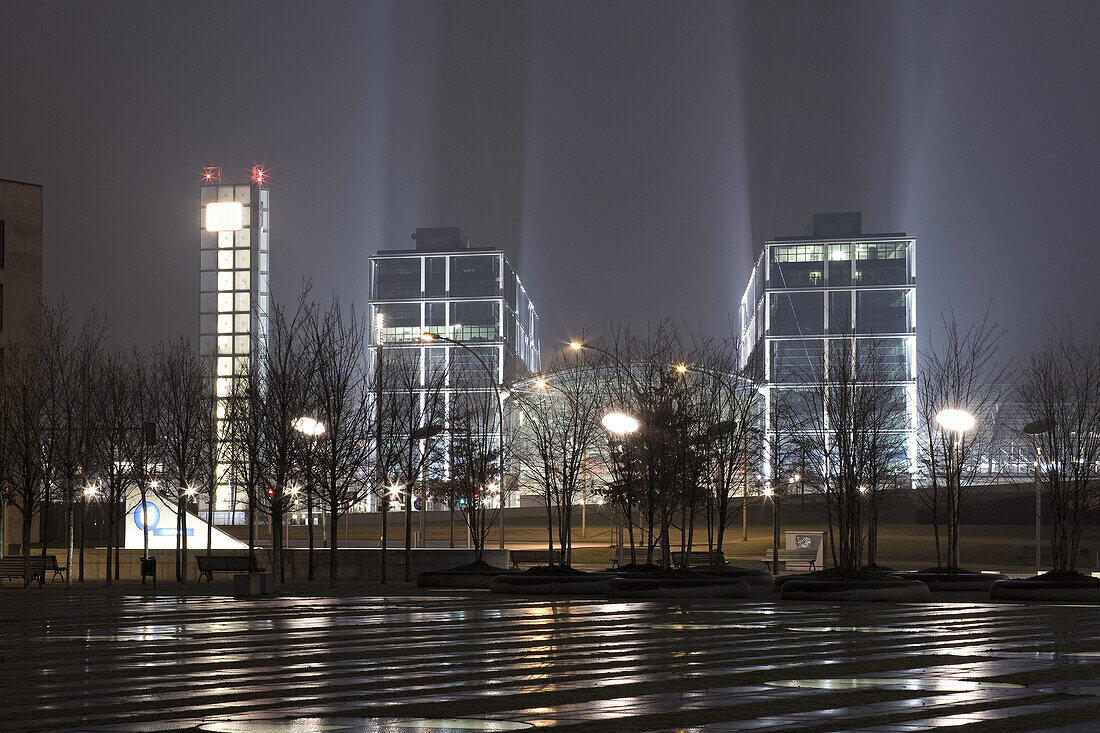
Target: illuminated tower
<point>234,293</point>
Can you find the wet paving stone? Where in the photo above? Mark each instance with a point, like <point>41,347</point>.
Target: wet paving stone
<point>113,663</point>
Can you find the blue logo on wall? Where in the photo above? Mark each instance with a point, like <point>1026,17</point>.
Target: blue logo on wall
<point>154,520</point>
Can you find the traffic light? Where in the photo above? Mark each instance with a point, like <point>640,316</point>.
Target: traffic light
<point>462,501</point>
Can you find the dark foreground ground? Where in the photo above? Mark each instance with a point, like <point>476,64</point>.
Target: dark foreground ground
<point>409,660</point>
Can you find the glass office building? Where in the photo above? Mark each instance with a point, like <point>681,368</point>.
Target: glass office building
<point>834,291</point>
<point>467,294</point>
<point>234,296</point>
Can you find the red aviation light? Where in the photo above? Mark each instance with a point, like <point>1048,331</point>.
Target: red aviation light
<point>259,175</point>
<point>212,174</point>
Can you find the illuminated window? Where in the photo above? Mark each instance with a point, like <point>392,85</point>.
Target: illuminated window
<point>240,323</point>
<point>225,281</point>
<point>240,302</point>
<point>223,387</point>
<point>225,302</point>
<point>240,344</point>
<point>225,260</point>
<point>243,259</point>
<point>225,324</point>
<point>242,281</point>
<point>225,344</point>
<point>225,366</point>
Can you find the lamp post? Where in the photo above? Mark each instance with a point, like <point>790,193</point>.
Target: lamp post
<point>429,337</point>
<point>1034,430</point>
<point>954,421</point>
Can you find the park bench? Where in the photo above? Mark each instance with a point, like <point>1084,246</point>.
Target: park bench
<point>16,567</point>
<point>39,566</point>
<point>792,559</point>
<point>701,557</point>
<point>1085,556</point>
<point>535,557</point>
<point>210,564</point>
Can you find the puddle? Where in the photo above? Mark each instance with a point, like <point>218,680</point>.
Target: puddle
<point>361,725</point>
<point>895,683</point>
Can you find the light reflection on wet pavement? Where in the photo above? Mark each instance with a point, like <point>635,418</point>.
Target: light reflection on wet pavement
<point>491,663</point>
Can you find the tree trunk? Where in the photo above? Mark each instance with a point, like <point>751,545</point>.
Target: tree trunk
<point>334,517</point>
<point>27,548</point>
<point>69,517</point>
<point>309,523</point>
<point>210,526</point>
<point>277,540</point>
<point>83,527</point>
<point>385,511</point>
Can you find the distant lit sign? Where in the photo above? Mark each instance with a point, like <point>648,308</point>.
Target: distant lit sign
<point>224,216</point>
<point>154,520</point>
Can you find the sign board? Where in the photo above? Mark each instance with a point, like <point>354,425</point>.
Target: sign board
<point>224,216</point>
<point>159,518</point>
<point>807,539</point>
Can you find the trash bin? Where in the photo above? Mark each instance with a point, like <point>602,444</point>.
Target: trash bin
<point>149,568</point>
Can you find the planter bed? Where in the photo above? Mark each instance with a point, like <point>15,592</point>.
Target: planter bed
<point>1048,587</point>
<point>941,579</point>
<point>551,585</point>
<point>457,578</point>
<point>894,591</point>
<point>713,587</point>
<point>749,575</point>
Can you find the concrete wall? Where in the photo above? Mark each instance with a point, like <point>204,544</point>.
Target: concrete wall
<point>21,269</point>
<point>353,564</point>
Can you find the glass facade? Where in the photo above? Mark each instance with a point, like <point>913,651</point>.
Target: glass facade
<point>816,306</point>
<point>233,296</point>
<point>469,295</point>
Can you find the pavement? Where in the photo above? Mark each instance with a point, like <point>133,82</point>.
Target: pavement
<point>364,658</point>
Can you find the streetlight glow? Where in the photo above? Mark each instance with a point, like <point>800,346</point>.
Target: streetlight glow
<point>956,421</point>
<point>309,426</point>
<point>427,337</point>
<point>576,345</point>
<point>681,369</point>
<point>620,423</point>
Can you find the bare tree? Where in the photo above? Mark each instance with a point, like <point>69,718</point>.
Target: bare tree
<point>22,406</point>
<point>851,421</point>
<point>183,383</point>
<point>560,429</point>
<point>284,376</point>
<point>343,400</point>
<point>963,373</point>
<point>69,365</point>
<point>1060,388</point>
<point>411,413</point>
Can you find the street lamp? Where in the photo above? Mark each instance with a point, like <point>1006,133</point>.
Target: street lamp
<point>309,427</point>
<point>954,421</point>
<point>1034,430</point>
<point>620,423</point>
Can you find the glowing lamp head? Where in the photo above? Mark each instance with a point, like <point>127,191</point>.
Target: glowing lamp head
<point>540,383</point>
<point>190,491</point>
<point>576,345</point>
<point>956,421</point>
<point>89,491</point>
<point>863,489</point>
<point>620,423</point>
<point>427,337</point>
<point>681,369</point>
<point>769,491</point>
<point>309,426</point>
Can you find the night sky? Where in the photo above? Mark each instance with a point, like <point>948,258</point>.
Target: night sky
<point>630,157</point>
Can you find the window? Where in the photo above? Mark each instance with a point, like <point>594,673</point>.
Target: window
<point>477,275</point>
<point>397,277</point>
<point>881,311</point>
<point>840,312</point>
<point>1,244</point>
<point>797,265</point>
<point>840,264</point>
<point>797,314</point>
<point>796,360</point>
<point>881,263</point>
<point>435,277</point>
